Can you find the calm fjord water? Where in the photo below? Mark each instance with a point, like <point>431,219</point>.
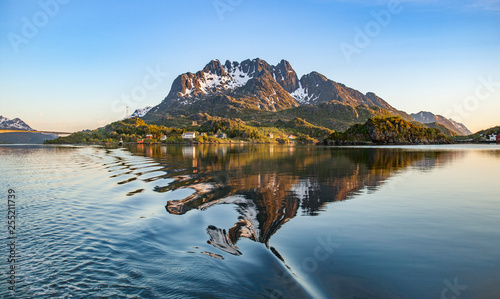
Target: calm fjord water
<point>253,221</point>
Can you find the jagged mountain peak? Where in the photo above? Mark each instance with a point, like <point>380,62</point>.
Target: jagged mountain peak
<point>217,78</point>
<point>255,67</point>
<point>216,68</point>
<point>315,76</point>
<point>286,76</point>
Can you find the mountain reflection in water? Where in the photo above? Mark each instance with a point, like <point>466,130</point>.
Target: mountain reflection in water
<point>271,184</point>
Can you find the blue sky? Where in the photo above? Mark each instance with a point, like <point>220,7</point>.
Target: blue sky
<point>69,65</point>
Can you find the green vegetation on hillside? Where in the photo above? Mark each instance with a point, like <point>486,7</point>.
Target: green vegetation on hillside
<point>332,115</point>
<point>208,129</point>
<point>211,130</point>
<point>482,135</point>
<point>390,130</point>
<point>129,130</point>
<point>441,128</point>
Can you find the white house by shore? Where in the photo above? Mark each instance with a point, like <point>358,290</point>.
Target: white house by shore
<point>189,135</point>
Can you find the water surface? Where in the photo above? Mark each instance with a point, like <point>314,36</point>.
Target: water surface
<point>219,221</point>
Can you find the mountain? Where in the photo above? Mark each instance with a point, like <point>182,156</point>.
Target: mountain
<point>21,137</point>
<point>253,90</point>
<point>429,118</point>
<point>140,112</point>
<point>14,124</point>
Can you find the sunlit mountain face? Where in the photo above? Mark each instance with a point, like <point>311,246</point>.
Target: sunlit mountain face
<point>270,185</point>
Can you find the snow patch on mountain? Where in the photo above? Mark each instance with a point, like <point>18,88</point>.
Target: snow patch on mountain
<point>239,78</point>
<point>302,96</point>
<point>210,81</point>
<point>140,112</point>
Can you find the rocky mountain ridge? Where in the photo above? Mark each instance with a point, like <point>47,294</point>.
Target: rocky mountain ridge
<point>257,85</point>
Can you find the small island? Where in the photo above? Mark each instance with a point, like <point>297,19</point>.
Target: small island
<point>388,130</point>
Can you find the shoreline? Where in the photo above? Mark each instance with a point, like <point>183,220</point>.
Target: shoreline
<point>338,144</point>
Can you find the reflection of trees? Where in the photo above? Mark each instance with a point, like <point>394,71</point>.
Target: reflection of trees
<point>268,184</point>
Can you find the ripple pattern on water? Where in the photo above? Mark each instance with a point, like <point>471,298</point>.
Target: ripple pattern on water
<point>208,221</point>
<point>75,238</point>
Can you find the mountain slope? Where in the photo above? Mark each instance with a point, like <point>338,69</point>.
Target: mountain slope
<point>441,128</point>
<point>429,117</point>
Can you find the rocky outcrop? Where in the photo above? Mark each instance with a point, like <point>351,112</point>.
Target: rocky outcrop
<point>285,76</point>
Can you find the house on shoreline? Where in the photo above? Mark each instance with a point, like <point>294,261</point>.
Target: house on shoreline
<point>494,137</point>
<point>188,135</point>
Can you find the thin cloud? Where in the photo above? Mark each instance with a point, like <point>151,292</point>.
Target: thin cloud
<point>487,5</point>
<point>493,5</point>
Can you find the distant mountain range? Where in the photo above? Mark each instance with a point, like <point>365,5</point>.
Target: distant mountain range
<point>429,118</point>
<point>257,92</point>
<point>21,137</point>
<point>14,124</point>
